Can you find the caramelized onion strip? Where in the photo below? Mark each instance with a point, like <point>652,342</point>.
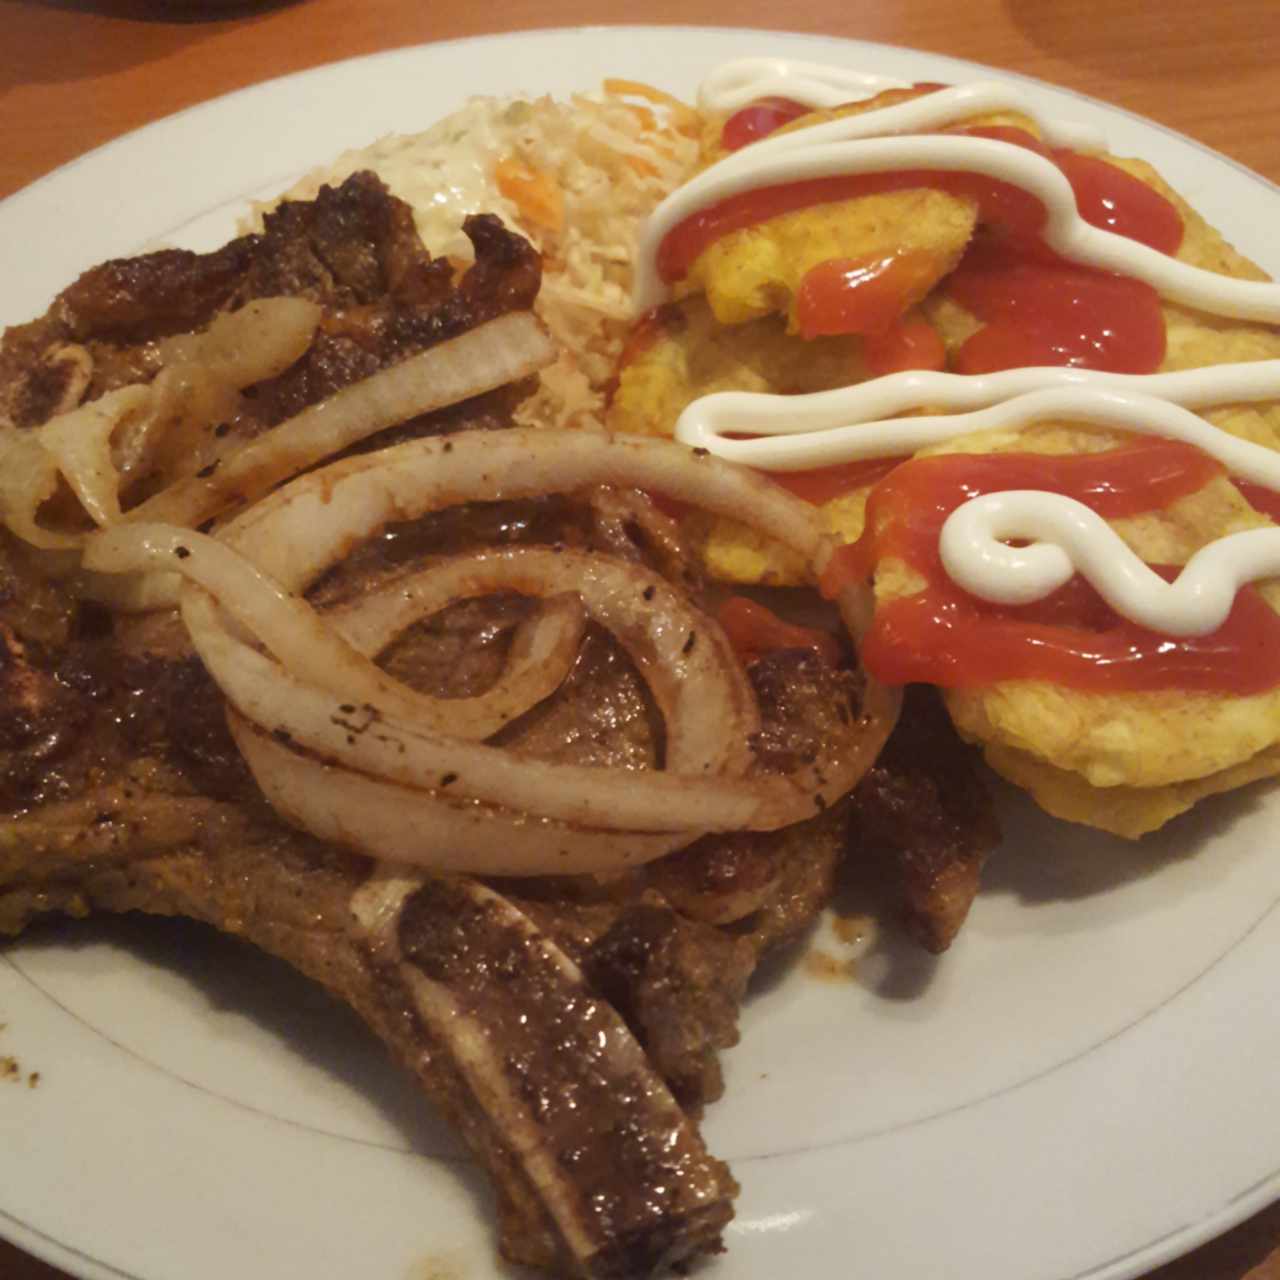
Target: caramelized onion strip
<point>543,650</point>
<point>301,711</point>
<point>75,446</point>
<point>512,347</point>
<point>300,530</point>
<point>319,653</point>
<point>409,825</point>
<point>92,446</point>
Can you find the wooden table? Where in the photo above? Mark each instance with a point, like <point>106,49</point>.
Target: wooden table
<point>73,75</point>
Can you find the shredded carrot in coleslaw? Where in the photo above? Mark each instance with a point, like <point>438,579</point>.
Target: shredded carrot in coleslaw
<point>534,193</point>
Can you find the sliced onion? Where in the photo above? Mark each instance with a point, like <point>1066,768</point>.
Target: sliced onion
<point>75,445</point>
<point>127,592</point>
<point>706,703</point>
<point>92,446</point>
<point>315,652</point>
<point>704,698</point>
<point>364,737</point>
<point>201,379</point>
<point>620,513</point>
<point>80,442</point>
<point>312,730</point>
<point>257,341</point>
<point>408,825</point>
<point>854,601</point>
<point>544,648</point>
<point>315,521</point>
<point>28,479</point>
<point>504,350</point>
<point>361,738</point>
<point>310,524</point>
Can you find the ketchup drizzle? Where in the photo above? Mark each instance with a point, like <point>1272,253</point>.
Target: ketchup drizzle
<point>1035,308</point>
<point>944,636</point>
<point>820,485</point>
<point>758,120</point>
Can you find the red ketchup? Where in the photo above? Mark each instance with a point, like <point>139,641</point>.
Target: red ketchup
<point>944,636</point>
<point>758,120</point>
<point>1036,309</point>
<point>754,630</point>
<point>1260,498</point>
<point>862,295</point>
<point>905,344</point>
<point>761,118</point>
<point>821,484</point>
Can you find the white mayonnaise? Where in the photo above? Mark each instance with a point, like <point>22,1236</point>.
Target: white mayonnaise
<point>798,432</point>
<point>856,423</point>
<point>746,80</point>
<point>1072,538</point>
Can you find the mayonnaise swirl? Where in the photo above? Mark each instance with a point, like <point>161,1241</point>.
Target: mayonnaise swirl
<point>814,84</point>
<point>1072,538</point>
<point>872,420</point>
<point>855,423</point>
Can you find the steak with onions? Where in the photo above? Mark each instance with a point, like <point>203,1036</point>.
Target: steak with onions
<point>354,250</point>
<point>570,1028</point>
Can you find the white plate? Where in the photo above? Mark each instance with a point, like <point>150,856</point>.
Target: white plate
<point>1082,1087</point>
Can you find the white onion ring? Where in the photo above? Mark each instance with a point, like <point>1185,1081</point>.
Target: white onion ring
<point>295,533</point>
<point>300,531</point>
<point>320,649</point>
<point>80,443</point>
<point>287,624</point>
<point>364,738</point>
<point>706,703</point>
<point>704,698</point>
<point>543,651</point>
<point>361,739</point>
<point>75,445</point>
<point>405,824</point>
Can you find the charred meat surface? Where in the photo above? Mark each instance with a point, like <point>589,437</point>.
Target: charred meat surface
<point>678,983</point>
<point>153,811</point>
<point>924,809</point>
<point>617,1163</point>
<point>353,250</point>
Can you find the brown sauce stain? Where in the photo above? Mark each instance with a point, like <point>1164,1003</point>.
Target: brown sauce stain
<point>11,1070</point>
<point>852,930</point>
<point>828,968</point>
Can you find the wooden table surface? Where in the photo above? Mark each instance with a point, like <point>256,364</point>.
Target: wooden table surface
<point>73,75</point>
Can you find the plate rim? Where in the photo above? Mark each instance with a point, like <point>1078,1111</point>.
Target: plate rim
<point>1180,1240</point>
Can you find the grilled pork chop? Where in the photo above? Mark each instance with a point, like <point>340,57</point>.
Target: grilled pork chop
<point>125,793</point>
<point>570,1028</point>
